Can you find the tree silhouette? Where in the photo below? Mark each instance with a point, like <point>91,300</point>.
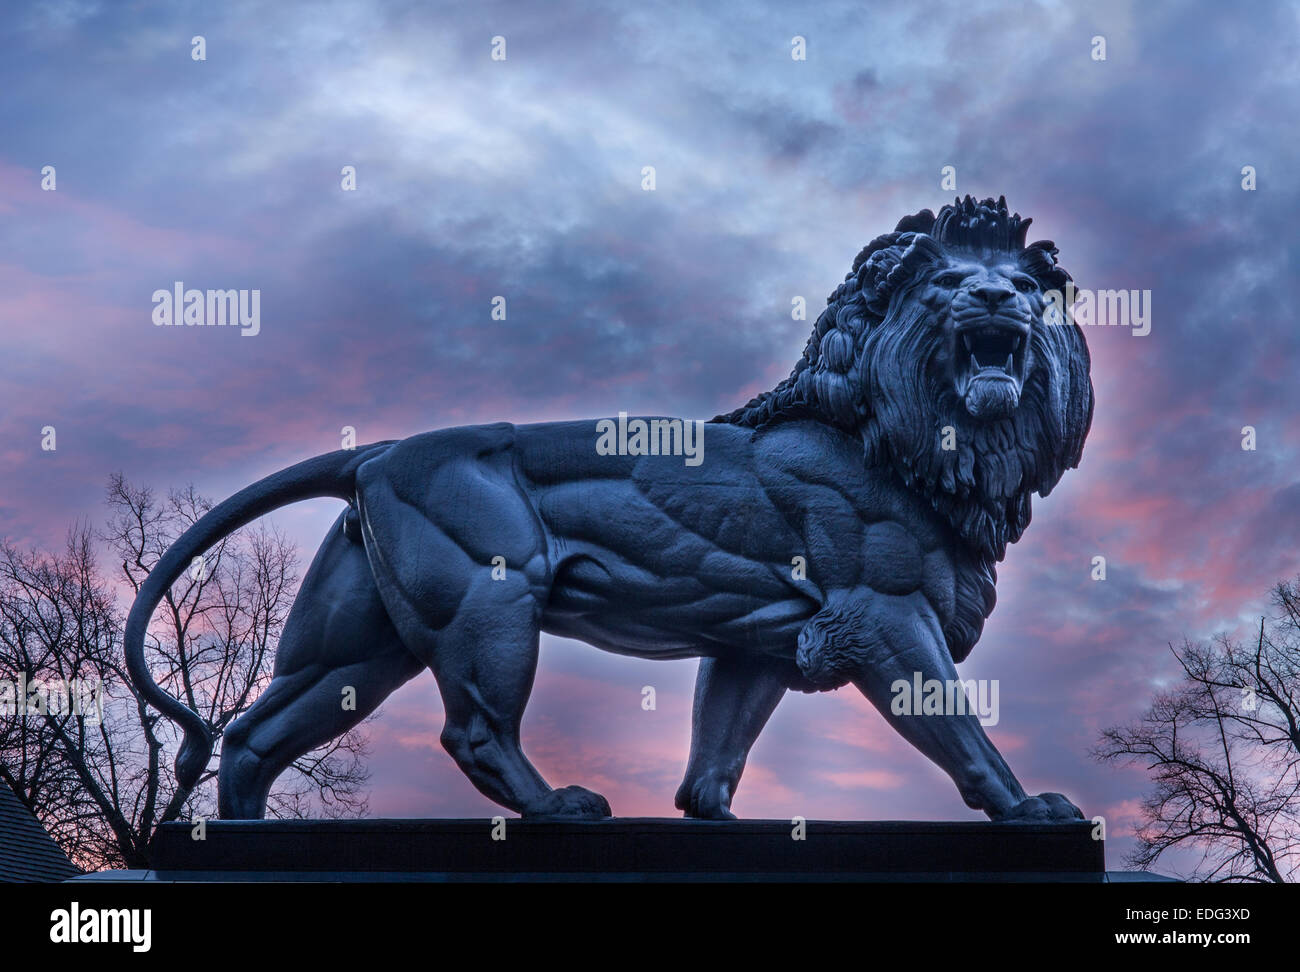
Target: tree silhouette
<point>102,782</point>
<point>1223,747</point>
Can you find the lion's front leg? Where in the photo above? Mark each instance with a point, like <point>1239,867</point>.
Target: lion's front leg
<point>882,643</point>
<point>733,699</point>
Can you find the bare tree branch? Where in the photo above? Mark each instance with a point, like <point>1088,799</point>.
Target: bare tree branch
<point>1223,748</point>
<point>101,786</point>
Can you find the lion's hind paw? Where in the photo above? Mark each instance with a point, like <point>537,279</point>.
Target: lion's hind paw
<point>1044,808</point>
<point>570,801</point>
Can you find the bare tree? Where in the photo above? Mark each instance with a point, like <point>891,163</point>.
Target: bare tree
<point>58,625</point>
<point>101,785</point>
<point>1224,749</point>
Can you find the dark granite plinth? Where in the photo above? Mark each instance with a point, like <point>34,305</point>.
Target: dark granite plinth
<point>628,849</point>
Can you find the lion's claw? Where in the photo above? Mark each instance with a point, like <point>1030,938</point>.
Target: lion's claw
<point>570,801</point>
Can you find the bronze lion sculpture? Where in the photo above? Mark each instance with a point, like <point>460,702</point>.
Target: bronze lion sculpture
<point>843,527</point>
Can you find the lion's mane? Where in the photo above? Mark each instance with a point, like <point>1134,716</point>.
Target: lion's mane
<point>869,369</point>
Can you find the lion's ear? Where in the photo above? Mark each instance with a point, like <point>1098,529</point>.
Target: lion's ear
<point>1039,260</point>
<point>890,268</point>
<point>921,222</point>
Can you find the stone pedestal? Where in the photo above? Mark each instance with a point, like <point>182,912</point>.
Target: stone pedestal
<point>626,849</point>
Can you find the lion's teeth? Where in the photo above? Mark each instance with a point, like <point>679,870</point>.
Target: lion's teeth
<point>1009,365</point>
<point>966,338</point>
<point>975,361</point>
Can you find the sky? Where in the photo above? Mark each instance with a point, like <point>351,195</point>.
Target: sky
<point>523,177</point>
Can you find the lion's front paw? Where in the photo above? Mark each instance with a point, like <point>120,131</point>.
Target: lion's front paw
<point>570,801</point>
<point>1044,808</point>
<point>707,798</point>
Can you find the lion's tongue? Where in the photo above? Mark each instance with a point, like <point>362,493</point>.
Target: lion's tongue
<point>992,396</point>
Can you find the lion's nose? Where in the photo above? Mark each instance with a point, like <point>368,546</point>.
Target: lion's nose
<point>993,295</point>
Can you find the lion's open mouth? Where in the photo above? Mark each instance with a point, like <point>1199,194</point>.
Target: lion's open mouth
<point>989,368</point>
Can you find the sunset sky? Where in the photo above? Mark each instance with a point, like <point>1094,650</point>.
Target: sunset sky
<point>523,178</point>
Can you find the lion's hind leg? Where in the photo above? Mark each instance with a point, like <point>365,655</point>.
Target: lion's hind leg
<point>296,714</point>
<point>460,560</point>
<point>339,657</point>
<point>485,661</point>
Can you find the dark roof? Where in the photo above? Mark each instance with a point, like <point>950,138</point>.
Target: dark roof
<point>27,852</point>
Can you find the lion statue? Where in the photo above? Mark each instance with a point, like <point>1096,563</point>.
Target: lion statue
<point>842,527</point>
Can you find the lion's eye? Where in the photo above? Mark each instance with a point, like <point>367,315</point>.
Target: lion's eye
<point>1025,285</point>
<point>949,279</point>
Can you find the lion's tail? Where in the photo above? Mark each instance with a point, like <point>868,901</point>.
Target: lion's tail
<point>333,474</point>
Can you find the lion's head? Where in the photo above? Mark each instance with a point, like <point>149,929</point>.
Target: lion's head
<point>936,351</point>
